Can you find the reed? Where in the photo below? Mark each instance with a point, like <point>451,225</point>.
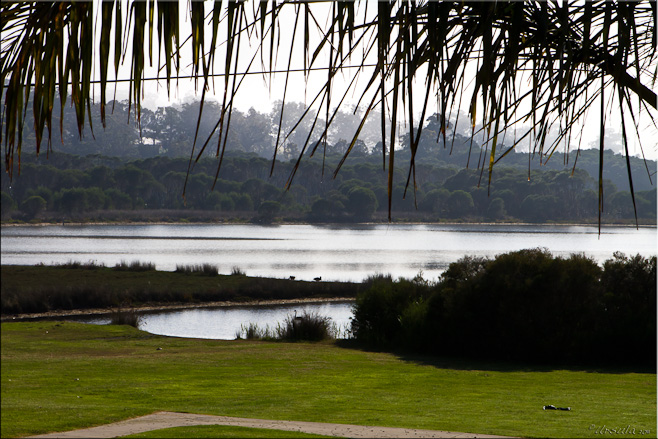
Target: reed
<point>237,271</point>
<point>125,317</point>
<point>307,327</point>
<point>254,332</point>
<point>204,269</point>
<point>135,266</point>
<point>89,265</point>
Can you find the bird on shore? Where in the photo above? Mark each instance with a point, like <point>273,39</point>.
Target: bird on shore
<point>317,279</point>
<point>292,278</point>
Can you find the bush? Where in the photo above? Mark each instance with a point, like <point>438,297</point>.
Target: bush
<point>307,327</point>
<point>377,311</point>
<point>628,307</point>
<point>524,306</point>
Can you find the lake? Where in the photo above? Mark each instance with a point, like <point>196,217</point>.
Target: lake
<point>344,253</point>
<point>333,252</point>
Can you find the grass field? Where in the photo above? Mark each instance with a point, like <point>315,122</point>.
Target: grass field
<point>60,376</point>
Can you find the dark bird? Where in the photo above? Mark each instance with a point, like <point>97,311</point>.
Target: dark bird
<point>292,278</point>
<point>317,279</point>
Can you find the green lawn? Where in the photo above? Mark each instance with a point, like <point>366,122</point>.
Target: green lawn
<point>60,376</point>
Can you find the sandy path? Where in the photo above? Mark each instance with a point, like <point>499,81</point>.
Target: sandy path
<point>160,420</point>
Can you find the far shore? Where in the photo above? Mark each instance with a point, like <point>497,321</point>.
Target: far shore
<point>346,224</point>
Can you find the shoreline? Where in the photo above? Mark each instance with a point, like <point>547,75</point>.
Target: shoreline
<point>171,307</point>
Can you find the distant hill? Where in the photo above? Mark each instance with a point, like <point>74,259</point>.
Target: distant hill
<point>169,132</point>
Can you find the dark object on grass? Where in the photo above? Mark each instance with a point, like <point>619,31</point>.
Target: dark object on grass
<point>552,407</point>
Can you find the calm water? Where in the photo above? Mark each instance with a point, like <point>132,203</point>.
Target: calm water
<point>223,323</point>
<point>346,253</point>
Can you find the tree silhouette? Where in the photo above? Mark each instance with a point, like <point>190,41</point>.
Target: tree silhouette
<point>546,63</point>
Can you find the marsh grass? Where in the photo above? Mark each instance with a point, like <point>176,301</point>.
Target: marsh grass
<point>252,331</point>
<point>89,265</point>
<point>36,289</point>
<point>307,327</point>
<point>77,376</point>
<point>204,269</point>
<point>128,317</point>
<point>135,266</point>
<point>237,271</point>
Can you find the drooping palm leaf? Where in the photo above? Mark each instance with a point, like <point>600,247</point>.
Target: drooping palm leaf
<point>563,49</point>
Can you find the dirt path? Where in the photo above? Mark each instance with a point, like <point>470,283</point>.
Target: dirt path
<point>160,420</point>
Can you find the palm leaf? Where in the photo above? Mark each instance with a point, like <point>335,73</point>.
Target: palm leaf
<point>562,46</point>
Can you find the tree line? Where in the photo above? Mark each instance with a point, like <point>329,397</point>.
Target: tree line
<point>65,186</point>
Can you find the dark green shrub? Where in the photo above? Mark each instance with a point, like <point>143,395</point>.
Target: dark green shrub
<point>526,305</point>
<point>378,310</point>
<point>522,305</point>
<point>628,307</point>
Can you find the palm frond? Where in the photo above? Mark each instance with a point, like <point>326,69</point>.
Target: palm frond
<point>563,50</point>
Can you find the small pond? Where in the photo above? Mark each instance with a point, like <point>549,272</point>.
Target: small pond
<point>224,323</point>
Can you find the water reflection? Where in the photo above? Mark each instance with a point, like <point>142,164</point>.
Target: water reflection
<point>223,323</point>
<point>335,252</point>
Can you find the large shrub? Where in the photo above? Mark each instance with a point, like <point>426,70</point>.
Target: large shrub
<point>523,305</point>
<point>627,315</point>
<point>526,305</point>
<point>378,311</point>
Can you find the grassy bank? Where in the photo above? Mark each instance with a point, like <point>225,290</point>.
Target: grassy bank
<point>38,289</point>
<point>74,375</point>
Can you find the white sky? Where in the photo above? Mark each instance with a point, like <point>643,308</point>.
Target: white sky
<point>255,93</point>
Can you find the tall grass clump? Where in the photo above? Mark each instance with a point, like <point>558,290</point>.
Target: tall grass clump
<point>204,269</point>
<point>237,271</point>
<point>307,327</point>
<point>125,317</point>
<point>89,265</point>
<point>254,332</point>
<point>135,266</point>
